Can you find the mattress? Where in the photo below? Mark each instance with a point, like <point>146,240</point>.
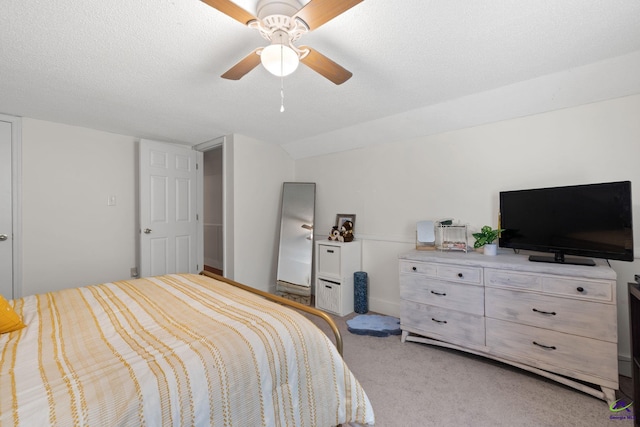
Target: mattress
<point>172,350</point>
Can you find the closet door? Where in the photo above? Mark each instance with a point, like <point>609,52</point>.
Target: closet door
<point>6,217</point>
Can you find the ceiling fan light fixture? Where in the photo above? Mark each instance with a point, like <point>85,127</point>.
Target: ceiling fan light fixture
<point>279,59</point>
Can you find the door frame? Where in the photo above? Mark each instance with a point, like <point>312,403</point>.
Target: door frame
<point>16,200</point>
<point>227,215</point>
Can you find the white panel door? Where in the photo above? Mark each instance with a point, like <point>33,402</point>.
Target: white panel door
<point>6,220</point>
<point>168,209</point>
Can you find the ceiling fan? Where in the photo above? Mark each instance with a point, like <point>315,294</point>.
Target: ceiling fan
<point>283,22</point>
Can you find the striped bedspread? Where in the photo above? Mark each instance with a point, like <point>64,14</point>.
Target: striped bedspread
<point>174,350</point>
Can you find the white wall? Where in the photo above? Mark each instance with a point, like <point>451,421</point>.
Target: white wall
<point>70,236</point>
<point>459,174</point>
<point>259,169</point>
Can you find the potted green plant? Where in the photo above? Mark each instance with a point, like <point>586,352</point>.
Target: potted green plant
<point>486,237</point>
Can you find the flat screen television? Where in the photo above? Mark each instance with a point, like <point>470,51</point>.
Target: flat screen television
<point>592,220</point>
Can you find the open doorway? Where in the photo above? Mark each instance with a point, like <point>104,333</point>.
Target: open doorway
<point>213,210</point>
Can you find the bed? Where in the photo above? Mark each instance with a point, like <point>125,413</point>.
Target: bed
<point>172,350</point>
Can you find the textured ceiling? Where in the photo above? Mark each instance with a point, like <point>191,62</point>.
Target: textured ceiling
<point>150,68</point>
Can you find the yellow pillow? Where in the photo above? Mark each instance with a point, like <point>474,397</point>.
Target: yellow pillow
<point>9,319</point>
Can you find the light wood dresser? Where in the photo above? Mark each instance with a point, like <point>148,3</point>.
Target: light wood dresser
<point>558,321</point>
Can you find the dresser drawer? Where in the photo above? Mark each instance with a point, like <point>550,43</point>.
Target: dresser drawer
<point>542,347</point>
<point>580,288</point>
<point>416,267</point>
<point>442,324</point>
<point>461,297</point>
<point>470,275</point>
<point>510,279</point>
<point>584,289</point>
<point>585,318</point>
<point>329,260</point>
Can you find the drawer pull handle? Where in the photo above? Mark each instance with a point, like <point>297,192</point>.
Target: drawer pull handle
<point>580,289</point>
<point>438,321</point>
<point>551,313</point>
<point>414,268</point>
<point>548,347</point>
<point>328,287</point>
<point>460,275</point>
<point>330,251</point>
<point>440,294</point>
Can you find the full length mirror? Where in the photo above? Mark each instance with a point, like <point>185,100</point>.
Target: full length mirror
<point>295,255</point>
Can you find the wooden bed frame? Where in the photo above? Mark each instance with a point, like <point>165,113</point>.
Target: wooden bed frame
<point>324,316</point>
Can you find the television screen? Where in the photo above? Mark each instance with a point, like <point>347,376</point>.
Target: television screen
<point>592,220</point>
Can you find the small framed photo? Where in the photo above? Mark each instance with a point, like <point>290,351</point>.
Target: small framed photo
<point>341,218</point>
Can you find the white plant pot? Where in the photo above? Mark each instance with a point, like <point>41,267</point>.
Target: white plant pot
<point>490,249</point>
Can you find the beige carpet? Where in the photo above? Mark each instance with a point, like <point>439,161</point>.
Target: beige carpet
<point>412,384</point>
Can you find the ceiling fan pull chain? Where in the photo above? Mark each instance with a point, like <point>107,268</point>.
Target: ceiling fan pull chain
<point>281,80</point>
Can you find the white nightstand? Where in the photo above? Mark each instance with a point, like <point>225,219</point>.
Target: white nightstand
<point>335,264</point>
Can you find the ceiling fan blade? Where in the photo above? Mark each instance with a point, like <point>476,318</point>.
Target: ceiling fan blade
<point>231,9</point>
<point>323,65</point>
<point>318,12</point>
<point>247,64</point>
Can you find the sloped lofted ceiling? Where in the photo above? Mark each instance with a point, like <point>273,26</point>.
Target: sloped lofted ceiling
<point>151,68</point>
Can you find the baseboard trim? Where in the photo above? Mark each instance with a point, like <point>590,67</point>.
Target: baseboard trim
<point>624,365</point>
<point>384,307</point>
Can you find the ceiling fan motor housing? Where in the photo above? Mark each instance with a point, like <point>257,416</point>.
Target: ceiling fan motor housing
<point>275,21</point>
<point>267,8</point>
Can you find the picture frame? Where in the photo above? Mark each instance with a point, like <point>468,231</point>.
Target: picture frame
<point>341,218</point>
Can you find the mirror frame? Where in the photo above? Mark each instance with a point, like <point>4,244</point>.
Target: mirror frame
<point>294,275</point>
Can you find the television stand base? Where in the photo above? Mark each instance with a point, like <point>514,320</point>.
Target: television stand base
<point>562,260</point>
